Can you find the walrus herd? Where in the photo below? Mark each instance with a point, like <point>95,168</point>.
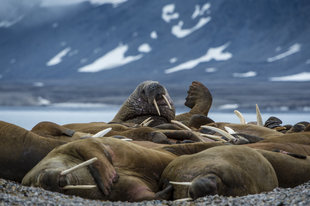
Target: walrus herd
<point>148,152</point>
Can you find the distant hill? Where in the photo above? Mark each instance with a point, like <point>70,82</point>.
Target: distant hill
<point>245,51</point>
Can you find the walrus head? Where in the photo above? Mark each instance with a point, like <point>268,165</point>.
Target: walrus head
<point>205,185</point>
<point>149,99</point>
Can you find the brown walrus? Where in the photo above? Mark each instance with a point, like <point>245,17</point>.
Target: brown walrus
<point>226,170</point>
<point>21,150</point>
<point>123,172</point>
<point>149,99</point>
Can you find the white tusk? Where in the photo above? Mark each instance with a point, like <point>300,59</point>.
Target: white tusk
<point>181,125</point>
<point>126,139</point>
<point>259,118</point>
<point>165,98</point>
<point>181,183</point>
<point>69,187</point>
<point>156,106</point>
<point>229,130</point>
<point>183,199</point>
<point>222,132</point>
<point>83,164</point>
<point>102,132</point>
<point>145,121</point>
<point>213,137</point>
<point>240,116</point>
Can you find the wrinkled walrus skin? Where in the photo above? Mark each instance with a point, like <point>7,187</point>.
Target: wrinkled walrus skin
<point>140,105</point>
<point>123,172</point>
<point>224,170</point>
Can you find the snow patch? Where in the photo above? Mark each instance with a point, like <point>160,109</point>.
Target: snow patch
<point>301,77</point>
<point>144,48</point>
<point>114,58</point>
<point>292,50</point>
<point>6,23</point>
<point>43,102</point>
<point>212,53</point>
<point>154,35</point>
<point>200,11</point>
<point>173,60</point>
<point>168,13</point>
<point>38,84</point>
<point>50,3</point>
<point>245,75</point>
<point>58,58</point>
<point>181,33</point>
<point>228,106</point>
<point>211,69</point>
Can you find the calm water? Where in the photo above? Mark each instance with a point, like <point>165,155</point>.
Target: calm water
<point>27,117</point>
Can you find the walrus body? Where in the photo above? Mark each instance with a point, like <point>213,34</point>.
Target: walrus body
<point>21,150</point>
<point>225,170</point>
<point>124,171</point>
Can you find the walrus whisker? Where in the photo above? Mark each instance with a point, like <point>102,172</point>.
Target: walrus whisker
<point>83,164</point>
<point>181,125</point>
<point>165,98</point>
<point>213,137</point>
<point>259,118</point>
<point>145,121</point>
<point>74,187</point>
<point>240,116</point>
<point>183,199</point>
<point>156,106</point>
<point>102,132</point>
<point>181,183</point>
<point>229,130</point>
<point>222,132</point>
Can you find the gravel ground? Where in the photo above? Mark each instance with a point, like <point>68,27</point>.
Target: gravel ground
<point>12,193</point>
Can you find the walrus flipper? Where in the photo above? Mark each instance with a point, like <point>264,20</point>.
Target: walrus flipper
<point>102,170</point>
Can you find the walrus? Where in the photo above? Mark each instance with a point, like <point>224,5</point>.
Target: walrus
<point>199,100</point>
<point>231,170</point>
<point>123,171</point>
<point>149,99</point>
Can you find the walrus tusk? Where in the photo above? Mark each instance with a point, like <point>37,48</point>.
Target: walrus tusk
<point>259,118</point>
<point>70,187</point>
<point>126,139</point>
<point>240,116</point>
<point>145,121</point>
<point>181,183</point>
<point>213,137</point>
<point>222,132</point>
<point>229,130</point>
<point>183,199</point>
<point>156,106</point>
<point>102,132</point>
<point>165,98</point>
<point>83,164</point>
<point>181,125</point>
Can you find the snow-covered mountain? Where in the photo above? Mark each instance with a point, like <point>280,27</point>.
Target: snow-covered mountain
<point>115,43</point>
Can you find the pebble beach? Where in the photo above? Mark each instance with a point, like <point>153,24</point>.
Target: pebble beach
<point>12,193</point>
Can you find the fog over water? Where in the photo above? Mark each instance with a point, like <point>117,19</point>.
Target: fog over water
<point>28,117</point>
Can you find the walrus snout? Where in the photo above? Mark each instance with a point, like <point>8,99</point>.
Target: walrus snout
<point>52,180</point>
<point>203,186</point>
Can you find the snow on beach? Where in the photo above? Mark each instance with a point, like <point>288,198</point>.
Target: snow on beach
<point>245,75</point>
<point>212,54</point>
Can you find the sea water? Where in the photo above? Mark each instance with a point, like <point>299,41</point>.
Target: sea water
<point>28,117</point>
